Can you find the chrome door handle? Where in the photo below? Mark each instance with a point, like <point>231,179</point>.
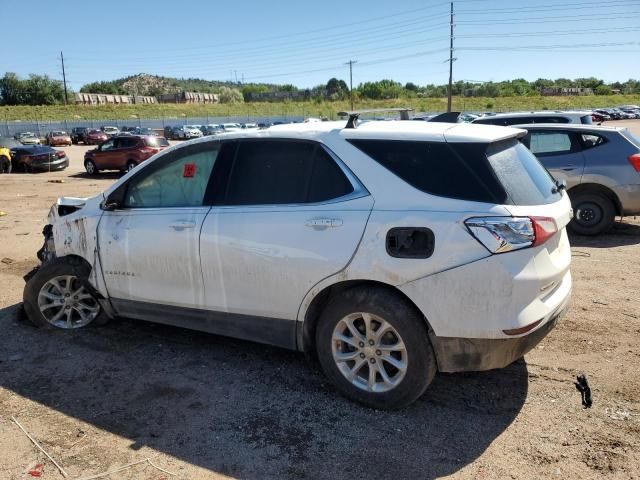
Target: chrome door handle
<point>322,223</point>
<point>181,225</point>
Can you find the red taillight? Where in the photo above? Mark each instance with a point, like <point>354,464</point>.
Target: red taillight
<point>60,154</point>
<point>149,151</point>
<point>543,229</point>
<point>634,160</point>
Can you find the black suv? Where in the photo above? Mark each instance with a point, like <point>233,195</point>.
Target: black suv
<point>78,134</point>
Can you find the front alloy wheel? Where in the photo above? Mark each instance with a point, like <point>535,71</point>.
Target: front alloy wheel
<point>65,302</point>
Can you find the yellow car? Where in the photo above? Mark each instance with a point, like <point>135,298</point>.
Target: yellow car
<point>5,159</point>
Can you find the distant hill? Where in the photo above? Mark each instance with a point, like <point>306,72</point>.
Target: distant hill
<point>145,84</point>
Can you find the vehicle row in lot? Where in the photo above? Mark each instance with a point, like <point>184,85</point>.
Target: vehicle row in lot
<point>17,157</point>
<point>187,132</point>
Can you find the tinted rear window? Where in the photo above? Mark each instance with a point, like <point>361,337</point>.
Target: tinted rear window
<point>437,169</point>
<point>524,178</point>
<point>156,142</point>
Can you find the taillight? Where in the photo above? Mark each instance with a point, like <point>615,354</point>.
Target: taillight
<point>506,234</point>
<point>149,150</point>
<point>634,160</point>
<point>60,154</point>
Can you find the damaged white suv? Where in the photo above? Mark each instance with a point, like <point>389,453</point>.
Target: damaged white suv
<point>392,250</point>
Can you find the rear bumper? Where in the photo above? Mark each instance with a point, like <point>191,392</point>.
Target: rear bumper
<point>629,196</point>
<point>475,354</point>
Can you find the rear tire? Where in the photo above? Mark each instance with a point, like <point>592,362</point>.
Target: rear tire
<point>5,165</point>
<point>90,167</point>
<point>374,347</point>
<point>593,213</point>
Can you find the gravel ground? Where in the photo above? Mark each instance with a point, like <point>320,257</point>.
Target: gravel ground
<point>205,406</point>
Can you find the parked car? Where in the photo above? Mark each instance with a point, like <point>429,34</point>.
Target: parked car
<point>78,134</point>
<point>58,137</point>
<point>33,158</point>
<point>230,127</point>
<point>130,130</point>
<point>144,131</point>
<point>601,168</point>
<point>391,250</point>
<point>168,132</point>
<point>599,117</point>
<point>519,118</point>
<point>110,131</point>
<point>210,130</point>
<point>28,138</point>
<point>6,147</point>
<point>95,137</point>
<point>186,132</point>
<point>124,152</point>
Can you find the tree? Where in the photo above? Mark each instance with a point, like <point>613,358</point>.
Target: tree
<point>36,90</point>
<point>602,90</point>
<point>12,90</point>
<point>337,89</point>
<point>230,95</point>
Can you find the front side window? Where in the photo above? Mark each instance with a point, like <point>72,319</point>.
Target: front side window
<point>108,145</point>
<point>270,172</point>
<point>179,180</point>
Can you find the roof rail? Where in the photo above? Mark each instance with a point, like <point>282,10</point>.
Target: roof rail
<point>352,122</point>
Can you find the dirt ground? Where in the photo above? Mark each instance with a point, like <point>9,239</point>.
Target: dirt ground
<point>203,406</point>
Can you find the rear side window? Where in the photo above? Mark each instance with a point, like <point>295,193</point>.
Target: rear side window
<point>270,172</point>
<point>590,140</point>
<point>435,168</point>
<point>547,143</point>
<point>524,178</point>
<point>586,120</point>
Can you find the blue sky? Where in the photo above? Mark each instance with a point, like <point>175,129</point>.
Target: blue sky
<point>306,43</point>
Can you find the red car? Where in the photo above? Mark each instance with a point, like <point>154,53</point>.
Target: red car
<point>123,153</point>
<point>95,137</point>
<point>57,137</point>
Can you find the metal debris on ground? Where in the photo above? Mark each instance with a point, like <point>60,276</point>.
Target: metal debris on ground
<point>582,385</point>
<point>57,180</point>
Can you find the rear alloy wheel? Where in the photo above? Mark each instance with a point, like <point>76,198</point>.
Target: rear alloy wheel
<point>374,347</point>
<point>593,213</point>
<point>90,167</point>
<point>5,165</point>
<point>130,166</point>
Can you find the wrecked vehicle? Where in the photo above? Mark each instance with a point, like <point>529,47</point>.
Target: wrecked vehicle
<point>391,250</point>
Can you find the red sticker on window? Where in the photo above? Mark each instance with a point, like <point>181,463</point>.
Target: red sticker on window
<point>189,170</point>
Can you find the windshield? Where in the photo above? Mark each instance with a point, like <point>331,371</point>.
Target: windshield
<point>58,134</point>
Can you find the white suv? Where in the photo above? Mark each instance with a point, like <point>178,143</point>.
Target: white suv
<point>392,250</point>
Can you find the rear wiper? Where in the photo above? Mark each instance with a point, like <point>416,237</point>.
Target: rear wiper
<point>560,185</point>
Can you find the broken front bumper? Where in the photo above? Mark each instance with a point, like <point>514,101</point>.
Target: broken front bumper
<point>475,354</point>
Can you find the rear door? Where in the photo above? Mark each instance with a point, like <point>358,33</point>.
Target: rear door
<point>560,151</point>
<point>290,215</point>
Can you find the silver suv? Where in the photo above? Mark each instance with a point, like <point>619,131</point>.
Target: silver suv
<point>601,168</point>
<point>519,118</point>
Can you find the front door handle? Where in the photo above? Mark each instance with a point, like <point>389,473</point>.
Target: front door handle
<point>181,225</point>
<point>322,223</point>
<point>568,168</point>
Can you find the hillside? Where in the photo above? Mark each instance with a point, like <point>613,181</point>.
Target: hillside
<point>145,84</point>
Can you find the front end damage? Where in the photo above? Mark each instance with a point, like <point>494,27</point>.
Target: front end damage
<point>72,232</point>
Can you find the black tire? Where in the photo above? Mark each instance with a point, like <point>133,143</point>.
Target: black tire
<point>5,165</point>
<point>421,365</point>
<point>90,167</point>
<point>54,268</point>
<point>593,213</point>
<point>131,164</point>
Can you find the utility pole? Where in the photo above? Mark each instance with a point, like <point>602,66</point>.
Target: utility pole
<point>450,61</point>
<point>64,79</point>
<point>350,63</point>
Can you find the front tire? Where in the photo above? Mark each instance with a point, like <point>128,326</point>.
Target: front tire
<point>90,167</point>
<point>593,213</point>
<point>5,165</point>
<point>58,295</point>
<point>374,347</point>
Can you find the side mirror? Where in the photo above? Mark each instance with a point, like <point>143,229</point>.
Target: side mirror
<point>115,200</point>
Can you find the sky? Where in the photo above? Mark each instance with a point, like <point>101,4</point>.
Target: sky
<point>305,43</point>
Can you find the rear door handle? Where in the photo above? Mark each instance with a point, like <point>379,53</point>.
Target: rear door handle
<point>181,225</point>
<point>322,223</point>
